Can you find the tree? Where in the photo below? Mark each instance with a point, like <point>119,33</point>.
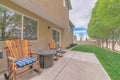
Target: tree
<point>105,22</point>
<point>74,37</point>
<point>81,36</point>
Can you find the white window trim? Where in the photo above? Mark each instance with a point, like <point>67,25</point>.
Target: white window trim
<point>22,27</point>
<point>59,34</point>
<point>23,22</point>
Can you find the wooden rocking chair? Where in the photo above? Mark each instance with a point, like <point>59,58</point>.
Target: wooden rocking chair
<point>53,46</point>
<point>19,58</point>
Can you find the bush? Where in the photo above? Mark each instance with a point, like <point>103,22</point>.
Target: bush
<point>71,45</point>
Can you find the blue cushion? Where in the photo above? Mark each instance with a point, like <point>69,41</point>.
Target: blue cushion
<point>58,51</point>
<point>26,61</point>
<point>61,51</point>
<point>32,59</point>
<point>20,63</point>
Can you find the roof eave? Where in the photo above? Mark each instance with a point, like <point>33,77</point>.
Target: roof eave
<point>69,4</point>
<point>71,24</point>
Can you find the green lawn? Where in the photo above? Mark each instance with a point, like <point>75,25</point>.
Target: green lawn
<point>110,60</point>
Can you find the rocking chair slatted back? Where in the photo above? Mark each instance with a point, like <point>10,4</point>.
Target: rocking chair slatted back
<point>12,49</point>
<point>26,48</point>
<point>23,48</point>
<point>19,47</point>
<point>52,44</point>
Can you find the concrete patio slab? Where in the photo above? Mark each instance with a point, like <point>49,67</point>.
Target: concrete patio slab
<point>73,66</point>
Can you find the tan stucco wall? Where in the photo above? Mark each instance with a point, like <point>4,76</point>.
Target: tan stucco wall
<point>55,9</point>
<point>45,34</point>
<point>67,37</point>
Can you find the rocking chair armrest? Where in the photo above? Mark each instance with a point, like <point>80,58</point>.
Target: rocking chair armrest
<point>12,59</point>
<point>34,53</point>
<point>60,47</point>
<point>5,47</point>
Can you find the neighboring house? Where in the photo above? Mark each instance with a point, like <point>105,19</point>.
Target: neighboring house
<point>36,20</point>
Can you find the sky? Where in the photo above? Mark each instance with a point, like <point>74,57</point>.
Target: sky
<point>81,12</point>
<point>80,15</point>
<point>80,31</point>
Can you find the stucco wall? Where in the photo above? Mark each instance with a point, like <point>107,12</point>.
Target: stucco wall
<point>54,8</point>
<point>67,37</point>
<point>45,34</point>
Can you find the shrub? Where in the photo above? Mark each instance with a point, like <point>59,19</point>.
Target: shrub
<point>71,45</point>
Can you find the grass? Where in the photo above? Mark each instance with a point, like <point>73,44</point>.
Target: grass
<point>110,60</point>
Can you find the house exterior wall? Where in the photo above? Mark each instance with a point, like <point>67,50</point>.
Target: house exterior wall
<point>45,33</point>
<point>54,8</point>
<point>67,36</point>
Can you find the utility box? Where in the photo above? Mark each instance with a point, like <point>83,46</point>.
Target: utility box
<point>1,54</point>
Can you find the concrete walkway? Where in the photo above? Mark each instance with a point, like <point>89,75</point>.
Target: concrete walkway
<point>73,66</point>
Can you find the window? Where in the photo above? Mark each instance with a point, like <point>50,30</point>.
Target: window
<point>10,24</point>
<point>16,25</point>
<point>30,29</point>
